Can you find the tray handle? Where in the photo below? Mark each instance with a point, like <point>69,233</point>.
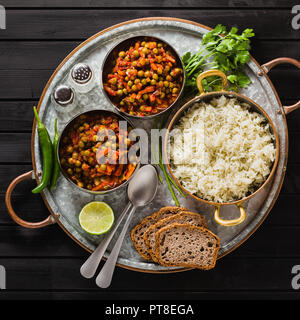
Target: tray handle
<point>31,225</point>
<point>233,222</point>
<point>269,65</point>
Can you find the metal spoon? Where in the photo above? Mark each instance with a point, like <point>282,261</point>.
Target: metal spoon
<point>89,268</point>
<point>141,191</point>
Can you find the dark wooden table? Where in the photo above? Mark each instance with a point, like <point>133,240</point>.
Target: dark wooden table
<point>44,263</point>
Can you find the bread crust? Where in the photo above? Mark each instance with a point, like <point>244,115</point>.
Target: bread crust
<point>133,232</point>
<point>152,219</point>
<point>180,264</point>
<point>157,226</point>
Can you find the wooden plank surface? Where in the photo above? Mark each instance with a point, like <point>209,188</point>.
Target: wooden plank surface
<point>146,3</point>
<point>229,275</point>
<point>45,263</point>
<point>68,24</point>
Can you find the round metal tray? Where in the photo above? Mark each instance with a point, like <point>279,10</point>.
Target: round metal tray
<point>66,201</point>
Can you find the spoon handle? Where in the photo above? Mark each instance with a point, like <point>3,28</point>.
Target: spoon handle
<point>104,278</point>
<point>89,268</point>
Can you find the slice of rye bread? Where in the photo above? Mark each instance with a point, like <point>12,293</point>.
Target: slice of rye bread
<point>138,231</point>
<point>184,217</point>
<point>186,246</point>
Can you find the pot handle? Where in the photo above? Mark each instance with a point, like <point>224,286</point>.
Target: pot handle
<point>210,73</point>
<point>233,222</point>
<point>269,65</point>
<point>31,225</point>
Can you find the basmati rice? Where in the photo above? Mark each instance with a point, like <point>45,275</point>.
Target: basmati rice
<point>221,151</point>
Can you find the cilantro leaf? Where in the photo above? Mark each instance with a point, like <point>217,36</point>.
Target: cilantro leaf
<point>230,53</point>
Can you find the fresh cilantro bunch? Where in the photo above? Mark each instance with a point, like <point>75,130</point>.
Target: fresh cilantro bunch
<point>226,51</point>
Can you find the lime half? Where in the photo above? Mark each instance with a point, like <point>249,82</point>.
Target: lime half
<point>96,217</point>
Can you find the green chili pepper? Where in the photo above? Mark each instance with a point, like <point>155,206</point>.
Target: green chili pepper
<point>56,169</point>
<point>46,146</point>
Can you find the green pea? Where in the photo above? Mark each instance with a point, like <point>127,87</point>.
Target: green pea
<point>141,73</point>
<point>75,155</point>
<point>113,81</point>
<point>136,54</point>
<point>77,163</point>
<point>95,138</point>
<point>120,92</point>
<point>81,144</point>
<point>147,74</point>
<point>70,149</point>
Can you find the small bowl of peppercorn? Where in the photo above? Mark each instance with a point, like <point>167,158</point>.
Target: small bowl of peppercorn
<point>143,76</point>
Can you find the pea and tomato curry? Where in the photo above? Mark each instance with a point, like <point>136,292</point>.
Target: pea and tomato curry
<point>90,152</point>
<point>145,79</point>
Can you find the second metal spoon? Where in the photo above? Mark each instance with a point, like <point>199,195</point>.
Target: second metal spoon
<point>141,191</point>
<point>89,268</point>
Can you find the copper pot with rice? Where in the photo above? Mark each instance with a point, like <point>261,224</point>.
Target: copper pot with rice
<point>180,175</point>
